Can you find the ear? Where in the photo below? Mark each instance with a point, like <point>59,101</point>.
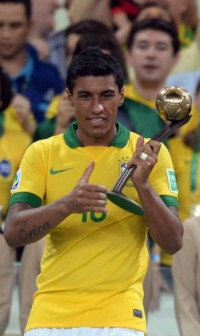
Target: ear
<point>121,99</point>
<point>128,57</point>
<point>176,59</point>
<point>68,95</point>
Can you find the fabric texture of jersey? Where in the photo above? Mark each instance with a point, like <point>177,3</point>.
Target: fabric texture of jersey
<point>93,264</point>
<point>39,82</point>
<point>13,143</point>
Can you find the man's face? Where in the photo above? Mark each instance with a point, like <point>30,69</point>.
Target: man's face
<point>14,29</point>
<point>96,101</point>
<point>152,56</point>
<point>43,15</point>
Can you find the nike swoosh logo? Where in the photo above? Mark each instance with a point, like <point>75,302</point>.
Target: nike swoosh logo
<point>53,171</point>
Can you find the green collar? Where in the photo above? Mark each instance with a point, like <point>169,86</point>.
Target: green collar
<point>120,139</point>
<point>2,118</point>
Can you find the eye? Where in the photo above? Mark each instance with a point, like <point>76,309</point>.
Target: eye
<point>84,96</point>
<point>143,46</point>
<point>16,25</point>
<point>162,47</point>
<point>108,95</point>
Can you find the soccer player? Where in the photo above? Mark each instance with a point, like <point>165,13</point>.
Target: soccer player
<point>95,256</point>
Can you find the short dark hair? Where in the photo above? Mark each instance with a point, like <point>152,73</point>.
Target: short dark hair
<point>106,43</point>
<point>25,3</point>
<point>6,93</point>
<point>88,26</point>
<point>168,27</point>
<point>93,62</point>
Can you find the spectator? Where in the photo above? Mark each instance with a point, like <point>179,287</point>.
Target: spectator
<point>153,50</point>
<point>13,142</point>
<point>38,81</point>
<point>186,275</point>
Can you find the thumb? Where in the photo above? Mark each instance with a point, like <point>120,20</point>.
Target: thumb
<point>88,171</point>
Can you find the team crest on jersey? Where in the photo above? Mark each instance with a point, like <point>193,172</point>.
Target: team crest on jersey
<point>122,166</point>
<point>5,168</point>
<point>172,180</point>
<point>17,180</point>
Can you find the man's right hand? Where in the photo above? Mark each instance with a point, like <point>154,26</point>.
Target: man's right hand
<point>86,197</point>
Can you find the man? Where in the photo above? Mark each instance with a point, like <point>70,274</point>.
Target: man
<point>95,256</point>
<point>14,140</point>
<point>186,273</point>
<point>153,47</point>
<point>32,253</point>
<point>38,81</point>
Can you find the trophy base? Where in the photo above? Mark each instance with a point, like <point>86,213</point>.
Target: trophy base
<point>125,203</point>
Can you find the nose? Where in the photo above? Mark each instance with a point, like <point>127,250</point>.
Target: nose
<point>6,32</point>
<point>98,107</point>
<point>151,52</point>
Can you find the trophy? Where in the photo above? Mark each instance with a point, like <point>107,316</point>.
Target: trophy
<point>174,105</point>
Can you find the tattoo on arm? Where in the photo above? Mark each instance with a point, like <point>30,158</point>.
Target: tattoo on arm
<point>28,234</point>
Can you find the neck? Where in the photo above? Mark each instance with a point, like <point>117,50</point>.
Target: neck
<point>148,91</point>
<point>14,64</point>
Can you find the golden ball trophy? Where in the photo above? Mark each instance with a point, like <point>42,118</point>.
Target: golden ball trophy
<point>174,106</point>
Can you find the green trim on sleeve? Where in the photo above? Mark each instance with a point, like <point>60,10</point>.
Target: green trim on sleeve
<point>170,200</point>
<point>26,197</point>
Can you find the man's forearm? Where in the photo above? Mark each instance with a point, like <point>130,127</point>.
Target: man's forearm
<point>164,225</point>
<point>32,224</point>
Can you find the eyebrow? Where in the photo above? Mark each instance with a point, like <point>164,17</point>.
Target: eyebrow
<point>102,92</point>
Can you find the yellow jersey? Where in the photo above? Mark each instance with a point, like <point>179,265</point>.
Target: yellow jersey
<point>93,264</point>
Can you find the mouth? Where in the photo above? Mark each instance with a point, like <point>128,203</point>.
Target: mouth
<point>96,121</point>
<point>6,46</point>
<point>150,67</point>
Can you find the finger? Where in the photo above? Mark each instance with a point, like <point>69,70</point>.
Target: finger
<point>155,146</point>
<point>96,209</point>
<point>88,171</point>
<point>140,142</point>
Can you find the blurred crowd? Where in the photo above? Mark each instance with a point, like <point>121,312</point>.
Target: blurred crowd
<point>157,43</point>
